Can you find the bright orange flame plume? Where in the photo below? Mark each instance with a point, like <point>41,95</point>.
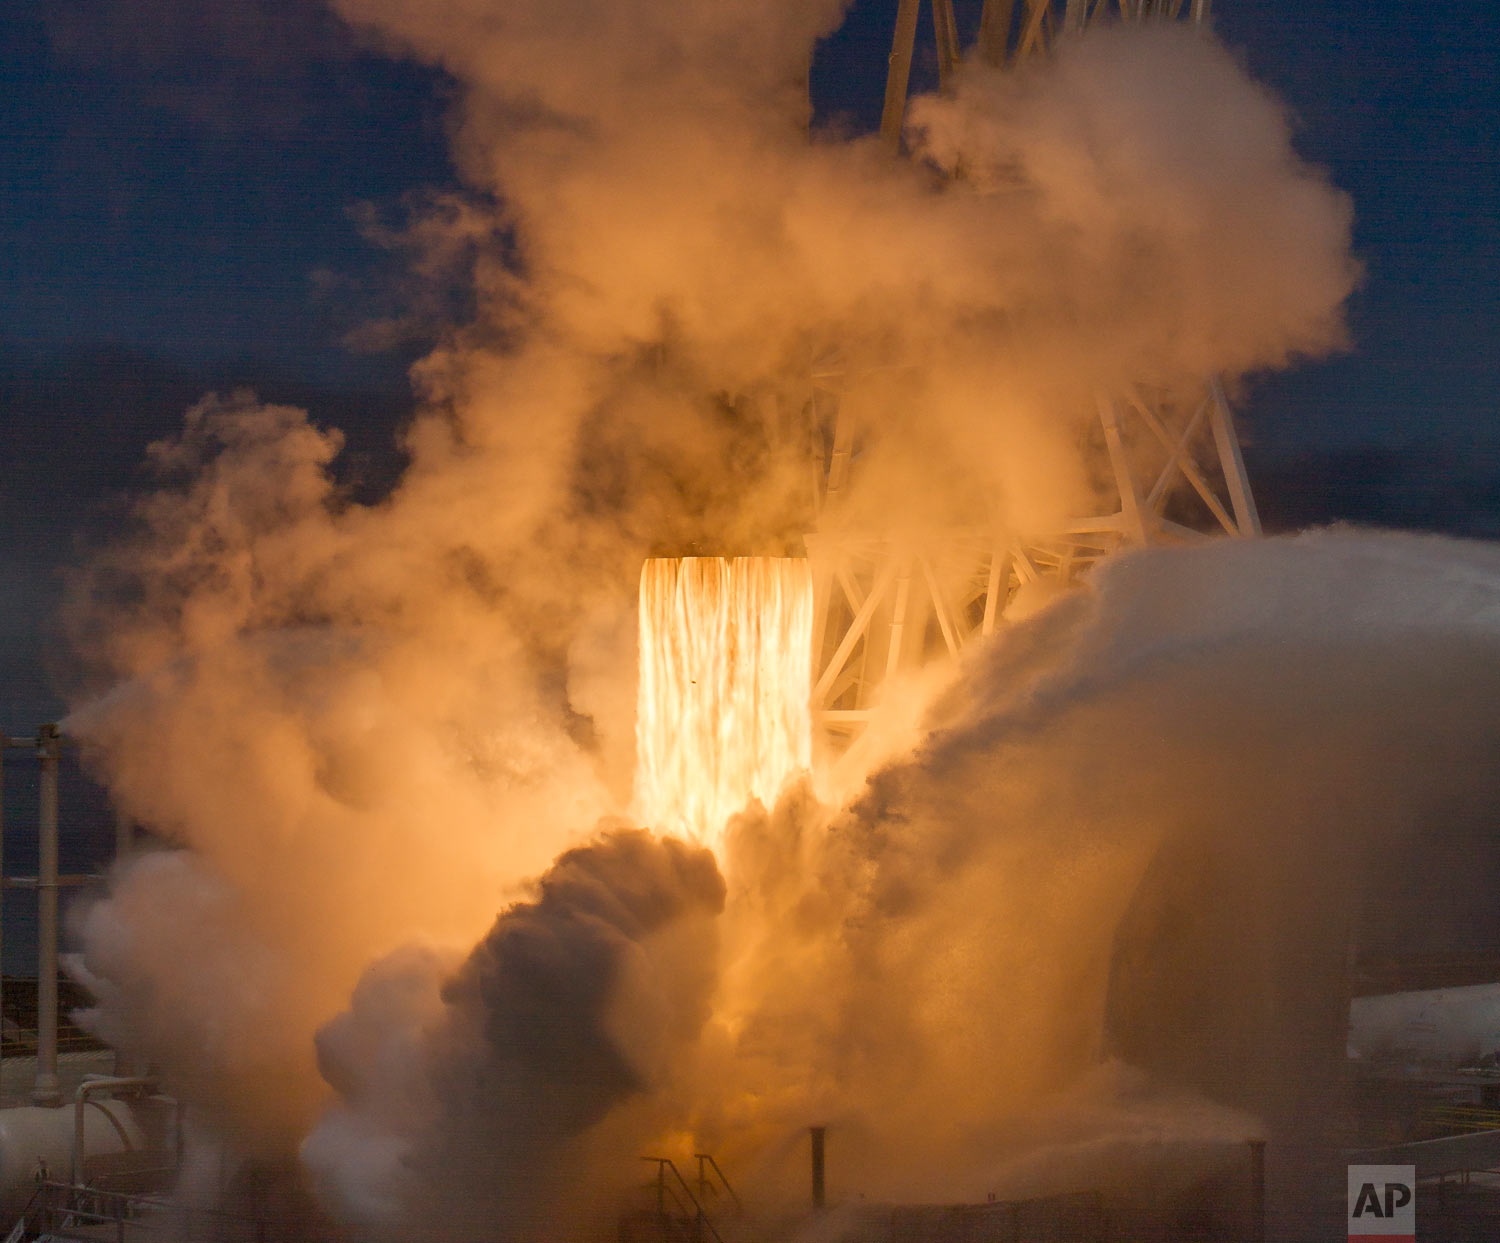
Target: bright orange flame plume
<point>725,675</point>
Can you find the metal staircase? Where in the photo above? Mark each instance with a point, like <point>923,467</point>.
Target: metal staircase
<point>675,1211</point>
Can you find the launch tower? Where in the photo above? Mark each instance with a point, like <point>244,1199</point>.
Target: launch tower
<point>1174,466</point>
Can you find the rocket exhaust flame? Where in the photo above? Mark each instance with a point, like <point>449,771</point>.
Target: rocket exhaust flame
<point>383,718</point>
<point>725,670</point>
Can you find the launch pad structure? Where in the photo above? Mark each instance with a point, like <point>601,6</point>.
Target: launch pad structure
<point>1175,472</point>
<point>874,605</point>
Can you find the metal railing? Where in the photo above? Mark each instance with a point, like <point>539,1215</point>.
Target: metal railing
<point>712,1181</point>
<point>87,1213</point>
<point>676,1203</point>
<point>1455,1119</point>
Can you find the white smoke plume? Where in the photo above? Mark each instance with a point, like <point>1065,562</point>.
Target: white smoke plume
<point>369,725</point>
<point>1150,824</point>
<point>354,759</point>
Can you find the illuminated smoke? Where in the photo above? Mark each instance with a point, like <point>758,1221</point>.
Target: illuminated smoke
<point>368,725</point>
<point>463,1089</point>
<point>725,674</point>
<point>1147,825</point>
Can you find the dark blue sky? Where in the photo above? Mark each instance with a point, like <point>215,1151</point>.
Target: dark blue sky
<point>182,185</point>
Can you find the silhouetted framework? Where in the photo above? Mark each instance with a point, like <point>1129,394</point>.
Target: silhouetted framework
<point>1008,31</point>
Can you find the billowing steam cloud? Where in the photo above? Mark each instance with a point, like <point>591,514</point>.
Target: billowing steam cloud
<point>1150,825</point>
<point>368,725</point>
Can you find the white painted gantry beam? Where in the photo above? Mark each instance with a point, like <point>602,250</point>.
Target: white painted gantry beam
<point>883,603</point>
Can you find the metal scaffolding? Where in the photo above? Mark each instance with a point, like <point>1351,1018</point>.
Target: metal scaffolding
<point>1174,469</point>
<point>1008,31</point>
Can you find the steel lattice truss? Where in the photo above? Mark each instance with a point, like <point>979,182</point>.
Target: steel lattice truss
<point>1175,473</point>
<point>1009,30</point>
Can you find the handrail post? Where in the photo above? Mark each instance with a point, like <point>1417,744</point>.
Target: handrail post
<point>81,1100</point>
<point>818,1134</point>
<point>4,742</point>
<point>690,1210</point>
<point>706,1162</point>
<point>1258,1191</point>
<point>47,1090</point>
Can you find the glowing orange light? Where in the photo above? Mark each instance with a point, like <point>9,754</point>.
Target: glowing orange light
<point>725,671</point>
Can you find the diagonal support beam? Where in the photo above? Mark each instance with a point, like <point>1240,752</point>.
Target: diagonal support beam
<point>856,631</point>
<point>940,607</point>
<point>1025,568</point>
<point>1132,518</point>
<point>1233,462</point>
<point>852,591</point>
<point>999,579</point>
<point>1033,27</point>
<point>898,75</point>
<point>1169,471</point>
<point>1189,469</point>
<point>893,653</point>
<point>945,29</point>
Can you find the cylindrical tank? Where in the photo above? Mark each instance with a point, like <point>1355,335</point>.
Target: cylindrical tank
<point>37,1143</point>
<point>1436,1028</point>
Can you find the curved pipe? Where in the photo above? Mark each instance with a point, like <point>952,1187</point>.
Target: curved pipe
<point>81,1101</point>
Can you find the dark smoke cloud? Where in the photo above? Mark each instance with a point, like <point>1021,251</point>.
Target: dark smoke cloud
<point>464,1095</point>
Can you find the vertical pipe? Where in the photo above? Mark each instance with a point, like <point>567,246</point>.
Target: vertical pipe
<point>47,1090</point>
<point>4,742</point>
<point>1257,1191</point>
<point>818,1196</point>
